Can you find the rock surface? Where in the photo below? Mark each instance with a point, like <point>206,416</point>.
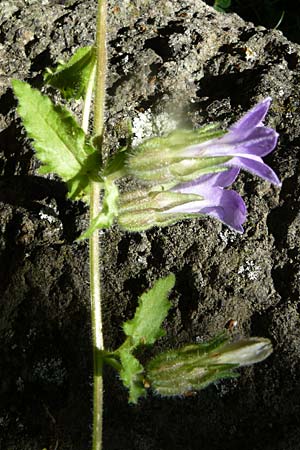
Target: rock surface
<point>169,61</point>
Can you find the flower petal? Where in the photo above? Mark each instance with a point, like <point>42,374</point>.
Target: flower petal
<point>246,142</point>
<point>256,166</point>
<point>198,186</point>
<point>225,205</point>
<point>261,141</point>
<point>230,209</point>
<point>252,118</point>
<point>258,140</point>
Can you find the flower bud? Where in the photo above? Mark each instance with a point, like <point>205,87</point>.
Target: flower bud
<point>142,209</point>
<point>193,367</point>
<point>165,159</point>
<point>244,352</point>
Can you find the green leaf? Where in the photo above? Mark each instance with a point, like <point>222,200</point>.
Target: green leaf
<point>72,77</point>
<point>145,327</point>
<point>79,186</point>
<point>132,375</point>
<point>57,138</point>
<point>222,5</point>
<point>109,210</point>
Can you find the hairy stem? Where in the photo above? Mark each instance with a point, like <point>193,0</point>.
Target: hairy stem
<point>101,68</point>
<point>95,282</point>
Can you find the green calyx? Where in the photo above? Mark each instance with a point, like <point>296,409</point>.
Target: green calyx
<point>165,159</point>
<point>142,209</point>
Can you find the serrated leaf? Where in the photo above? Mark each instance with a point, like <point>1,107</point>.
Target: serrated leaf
<point>57,138</point>
<point>72,77</point>
<point>132,375</point>
<point>109,210</point>
<point>145,327</point>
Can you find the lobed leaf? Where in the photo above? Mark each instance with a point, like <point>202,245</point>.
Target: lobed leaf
<point>57,138</point>
<point>145,327</point>
<point>72,77</point>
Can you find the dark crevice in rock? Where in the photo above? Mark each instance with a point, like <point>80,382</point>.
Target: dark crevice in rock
<point>155,69</point>
<point>281,217</point>
<point>247,34</point>
<point>151,101</point>
<point>160,45</point>
<point>237,85</point>
<point>292,60</point>
<point>283,279</point>
<point>7,102</point>
<point>122,33</point>
<point>2,37</point>
<point>156,257</point>
<point>123,248</point>
<point>16,159</point>
<point>13,253</point>
<point>30,45</point>
<point>136,286</point>
<point>26,190</point>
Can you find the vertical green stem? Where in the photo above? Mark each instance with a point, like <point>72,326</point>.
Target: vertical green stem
<point>101,68</point>
<point>95,282</point>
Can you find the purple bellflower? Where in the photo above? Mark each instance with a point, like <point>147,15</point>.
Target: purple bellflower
<point>226,205</point>
<point>246,142</point>
<point>144,209</point>
<point>196,174</point>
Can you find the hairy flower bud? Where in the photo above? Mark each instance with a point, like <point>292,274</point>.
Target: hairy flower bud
<point>185,155</point>
<point>193,367</point>
<point>163,160</point>
<point>142,209</point>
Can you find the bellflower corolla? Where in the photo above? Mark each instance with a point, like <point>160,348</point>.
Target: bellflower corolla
<point>190,179</point>
<point>225,205</point>
<point>144,209</point>
<point>245,143</point>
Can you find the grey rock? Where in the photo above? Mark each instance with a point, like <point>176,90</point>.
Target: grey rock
<point>169,61</point>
